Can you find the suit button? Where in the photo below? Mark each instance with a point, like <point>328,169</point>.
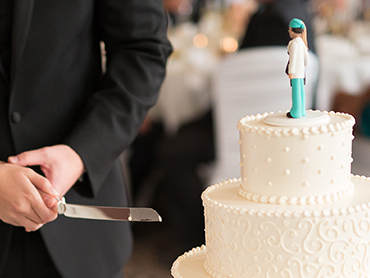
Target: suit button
<point>16,117</point>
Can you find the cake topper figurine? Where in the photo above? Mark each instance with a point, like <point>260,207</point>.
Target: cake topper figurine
<point>298,58</point>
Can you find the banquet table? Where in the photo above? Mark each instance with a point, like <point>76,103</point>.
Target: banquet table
<point>344,67</point>
<point>186,93</point>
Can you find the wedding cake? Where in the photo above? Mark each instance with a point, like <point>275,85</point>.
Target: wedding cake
<point>296,211</point>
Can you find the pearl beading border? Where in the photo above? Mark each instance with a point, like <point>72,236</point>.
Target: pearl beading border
<point>243,126</point>
<point>174,269</point>
<point>282,200</point>
<point>279,213</point>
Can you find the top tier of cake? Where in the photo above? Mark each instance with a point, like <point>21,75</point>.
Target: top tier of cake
<point>296,161</point>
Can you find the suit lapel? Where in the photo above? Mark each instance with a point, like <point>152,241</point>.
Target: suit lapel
<point>22,15</point>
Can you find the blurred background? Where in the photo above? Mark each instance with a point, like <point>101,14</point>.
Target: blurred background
<point>228,62</point>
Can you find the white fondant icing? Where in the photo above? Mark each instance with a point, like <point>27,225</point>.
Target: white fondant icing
<point>246,239</point>
<point>323,157</point>
<point>296,211</point>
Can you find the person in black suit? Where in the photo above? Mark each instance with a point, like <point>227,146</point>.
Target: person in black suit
<point>268,25</point>
<point>64,124</point>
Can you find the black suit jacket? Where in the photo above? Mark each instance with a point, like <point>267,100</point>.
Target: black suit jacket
<point>58,95</point>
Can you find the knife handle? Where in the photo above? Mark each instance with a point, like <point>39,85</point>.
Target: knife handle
<point>61,205</point>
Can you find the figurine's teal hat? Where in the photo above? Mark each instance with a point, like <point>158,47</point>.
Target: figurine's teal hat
<point>296,23</point>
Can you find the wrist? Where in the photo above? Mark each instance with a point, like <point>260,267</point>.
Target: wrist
<point>77,161</point>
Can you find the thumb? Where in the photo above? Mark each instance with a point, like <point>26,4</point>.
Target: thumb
<point>49,201</point>
<point>29,158</point>
<point>13,159</point>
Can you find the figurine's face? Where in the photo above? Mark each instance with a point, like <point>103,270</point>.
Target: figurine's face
<point>292,34</point>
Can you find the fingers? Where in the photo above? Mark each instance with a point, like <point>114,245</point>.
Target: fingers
<point>21,203</point>
<point>33,227</point>
<point>61,165</point>
<point>49,201</point>
<point>41,212</point>
<point>35,208</point>
<point>28,230</point>
<point>43,203</point>
<point>42,183</point>
<point>36,157</point>
<point>28,224</point>
<point>37,216</point>
<point>29,217</point>
<point>30,158</point>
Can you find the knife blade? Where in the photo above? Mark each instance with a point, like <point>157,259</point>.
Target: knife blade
<point>108,213</point>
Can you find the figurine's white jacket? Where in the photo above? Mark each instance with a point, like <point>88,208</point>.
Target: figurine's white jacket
<point>298,57</point>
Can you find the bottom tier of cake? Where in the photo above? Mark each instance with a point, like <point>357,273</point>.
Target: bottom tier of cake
<point>191,264</point>
<point>247,239</point>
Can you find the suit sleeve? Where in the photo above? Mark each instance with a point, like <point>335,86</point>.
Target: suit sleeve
<point>135,37</point>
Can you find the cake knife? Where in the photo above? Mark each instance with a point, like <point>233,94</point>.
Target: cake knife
<point>108,213</point>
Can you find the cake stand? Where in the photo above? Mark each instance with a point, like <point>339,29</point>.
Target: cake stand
<point>190,265</point>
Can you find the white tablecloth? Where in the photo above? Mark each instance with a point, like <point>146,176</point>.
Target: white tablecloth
<point>345,67</point>
<point>186,92</point>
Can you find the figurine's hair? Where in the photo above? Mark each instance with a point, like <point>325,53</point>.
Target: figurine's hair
<point>297,30</point>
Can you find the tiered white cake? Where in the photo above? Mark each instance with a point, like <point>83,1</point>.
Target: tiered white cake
<point>296,211</point>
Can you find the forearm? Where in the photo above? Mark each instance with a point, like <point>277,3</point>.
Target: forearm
<point>137,49</point>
